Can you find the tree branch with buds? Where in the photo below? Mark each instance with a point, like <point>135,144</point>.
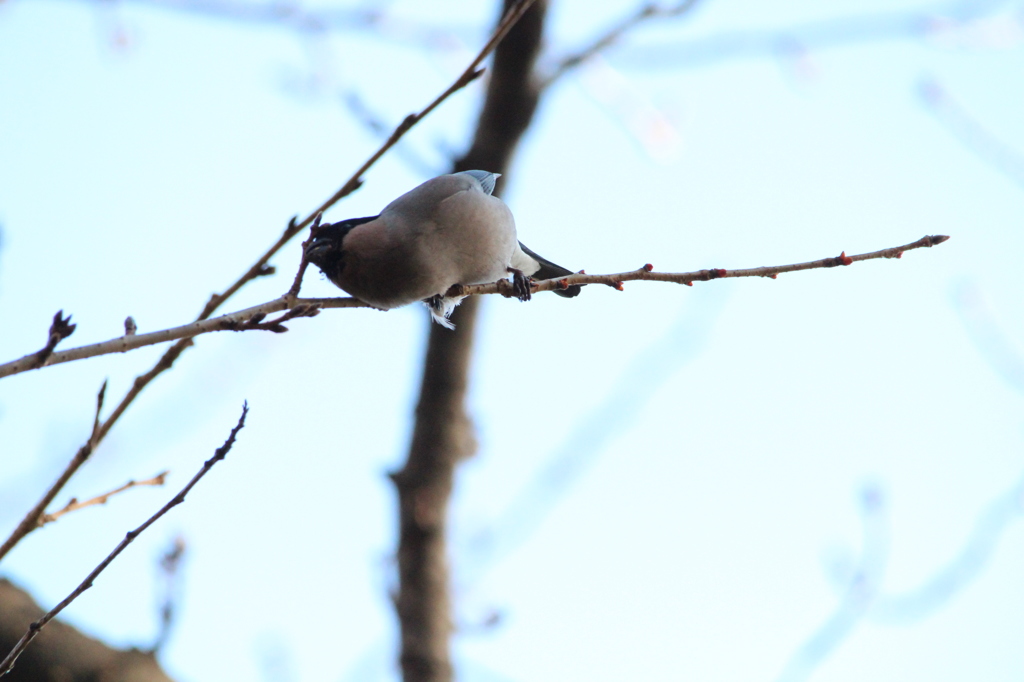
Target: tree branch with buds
<point>294,307</point>
<point>33,629</point>
<point>74,505</point>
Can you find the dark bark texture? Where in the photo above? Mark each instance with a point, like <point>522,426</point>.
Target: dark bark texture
<point>443,434</point>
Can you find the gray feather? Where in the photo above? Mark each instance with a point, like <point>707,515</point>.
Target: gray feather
<point>486,179</point>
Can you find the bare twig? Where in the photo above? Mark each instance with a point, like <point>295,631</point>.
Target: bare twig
<point>614,34</point>
<point>259,269</point>
<point>840,31</point>
<point>380,128</point>
<point>861,590</point>
<point>971,133</point>
<point>306,20</point>
<point>304,263</point>
<point>688,278</point>
<point>35,627</point>
<point>1000,350</point>
<point>170,569</point>
<point>962,570</point>
<point>60,329</point>
<point>252,318</point>
<point>64,654</point>
<point>588,438</point>
<point>75,505</point>
<point>32,519</point>
<point>275,325</point>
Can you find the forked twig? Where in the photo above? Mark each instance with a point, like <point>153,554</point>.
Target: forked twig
<point>645,12</point>
<point>36,626</point>
<point>60,329</point>
<point>75,505</point>
<point>32,518</point>
<point>259,269</point>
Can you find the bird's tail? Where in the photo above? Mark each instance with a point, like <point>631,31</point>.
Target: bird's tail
<point>549,270</point>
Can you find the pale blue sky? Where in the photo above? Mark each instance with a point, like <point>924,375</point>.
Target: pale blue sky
<point>718,439</point>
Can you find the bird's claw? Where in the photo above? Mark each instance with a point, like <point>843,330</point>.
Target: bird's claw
<point>520,284</point>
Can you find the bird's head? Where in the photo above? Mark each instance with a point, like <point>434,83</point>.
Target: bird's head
<point>325,248</point>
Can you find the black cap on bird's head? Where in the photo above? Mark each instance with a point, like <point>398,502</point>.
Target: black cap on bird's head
<point>324,248</point>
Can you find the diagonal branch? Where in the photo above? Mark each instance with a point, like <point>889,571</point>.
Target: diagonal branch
<point>32,519</point>
<point>971,132</point>
<point>614,34</point>
<point>75,505</point>
<point>259,269</point>
<point>36,626</point>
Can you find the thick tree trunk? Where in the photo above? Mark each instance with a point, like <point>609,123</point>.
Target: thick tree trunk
<point>443,434</point>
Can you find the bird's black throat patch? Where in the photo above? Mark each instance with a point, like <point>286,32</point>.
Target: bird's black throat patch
<point>326,248</point>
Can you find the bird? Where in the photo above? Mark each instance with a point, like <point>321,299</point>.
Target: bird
<point>448,231</point>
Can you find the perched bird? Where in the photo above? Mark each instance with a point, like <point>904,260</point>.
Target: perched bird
<point>447,231</point>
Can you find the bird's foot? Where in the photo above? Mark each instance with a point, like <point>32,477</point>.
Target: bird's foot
<point>520,284</point>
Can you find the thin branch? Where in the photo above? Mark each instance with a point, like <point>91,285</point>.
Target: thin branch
<point>861,590</point>
<point>259,269</point>
<point>688,278</point>
<point>614,34</point>
<point>304,263</point>
<point>855,29</point>
<point>993,344</point>
<point>170,569</point>
<point>35,627</point>
<point>971,132</point>
<point>75,505</point>
<point>60,329</point>
<point>247,319</point>
<point>587,439</point>
<point>31,520</point>
<point>305,21</point>
<point>252,318</point>
<point>961,571</point>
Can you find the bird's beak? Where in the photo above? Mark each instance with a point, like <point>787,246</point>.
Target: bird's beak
<point>319,248</point>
